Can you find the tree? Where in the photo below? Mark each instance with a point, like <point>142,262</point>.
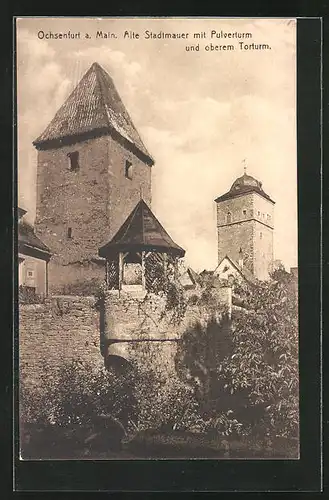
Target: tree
<point>251,374</point>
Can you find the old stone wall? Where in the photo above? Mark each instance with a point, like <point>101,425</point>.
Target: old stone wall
<point>236,232</point>
<point>235,236</point>
<point>79,211</point>
<point>131,321</point>
<point>78,278</point>
<point>61,329</point>
<point>124,193</point>
<point>235,206</point>
<point>249,227</point>
<point>128,328</point>
<point>263,250</point>
<point>73,199</point>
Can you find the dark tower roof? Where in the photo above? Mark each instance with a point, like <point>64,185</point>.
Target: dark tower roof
<point>95,107</point>
<point>141,231</point>
<point>243,185</point>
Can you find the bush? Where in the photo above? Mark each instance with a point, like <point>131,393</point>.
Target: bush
<point>76,394</point>
<point>28,295</point>
<point>81,288</point>
<point>245,374</point>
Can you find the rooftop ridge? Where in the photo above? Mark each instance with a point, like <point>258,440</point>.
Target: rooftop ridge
<point>141,229</point>
<point>93,105</point>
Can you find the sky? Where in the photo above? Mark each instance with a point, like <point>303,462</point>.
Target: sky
<point>199,113</point>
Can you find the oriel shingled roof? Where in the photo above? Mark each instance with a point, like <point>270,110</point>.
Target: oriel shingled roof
<point>141,231</point>
<point>93,106</point>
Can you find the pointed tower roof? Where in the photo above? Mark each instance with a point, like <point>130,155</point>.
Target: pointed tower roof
<point>141,231</point>
<point>94,107</point>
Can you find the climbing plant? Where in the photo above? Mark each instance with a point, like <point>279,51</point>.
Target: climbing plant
<point>248,373</point>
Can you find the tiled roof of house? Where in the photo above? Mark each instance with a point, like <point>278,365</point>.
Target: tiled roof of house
<point>245,273</point>
<point>194,276</point>
<point>141,231</point>
<point>26,236</point>
<point>21,212</point>
<point>93,106</point>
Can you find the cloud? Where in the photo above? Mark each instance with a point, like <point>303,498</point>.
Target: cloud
<point>199,115</point>
<point>122,66</point>
<point>42,87</point>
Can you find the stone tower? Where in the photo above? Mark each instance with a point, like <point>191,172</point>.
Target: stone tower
<point>92,169</point>
<point>245,226</point>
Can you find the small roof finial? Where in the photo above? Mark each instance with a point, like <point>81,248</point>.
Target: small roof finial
<point>245,165</point>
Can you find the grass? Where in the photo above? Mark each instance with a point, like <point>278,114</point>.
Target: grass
<point>86,443</point>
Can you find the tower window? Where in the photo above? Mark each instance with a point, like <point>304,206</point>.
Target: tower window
<point>128,170</point>
<point>244,213</point>
<point>229,217</point>
<point>258,213</point>
<point>74,161</point>
<point>69,232</point>
<point>261,235</point>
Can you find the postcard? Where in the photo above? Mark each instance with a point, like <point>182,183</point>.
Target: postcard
<point>157,238</point>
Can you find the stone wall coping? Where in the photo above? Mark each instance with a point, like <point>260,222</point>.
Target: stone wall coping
<point>72,297</point>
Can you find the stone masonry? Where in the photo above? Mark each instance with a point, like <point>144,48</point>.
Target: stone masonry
<point>60,329</point>
<point>66,328</point>
<point>250,227</point>
<point>90,203</point>
<point>92,170</point>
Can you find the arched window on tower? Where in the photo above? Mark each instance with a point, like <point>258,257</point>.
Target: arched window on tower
<point>229,217</point>
<point>244,213</point>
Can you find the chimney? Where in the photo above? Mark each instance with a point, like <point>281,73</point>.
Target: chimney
<point>240,258</point>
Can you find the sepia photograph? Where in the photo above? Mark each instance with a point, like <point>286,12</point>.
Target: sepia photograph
<point>157,227</point>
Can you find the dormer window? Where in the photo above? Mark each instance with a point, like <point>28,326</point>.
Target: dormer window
<point>128,170</point>
<point>229,217</point>
<point>73,161</point>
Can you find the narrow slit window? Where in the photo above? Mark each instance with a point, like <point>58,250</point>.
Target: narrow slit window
<point>244,213</point>
<point>128,170</point>
<point>74,161</point>
<point>229,217</point>
<point>69,232</point>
